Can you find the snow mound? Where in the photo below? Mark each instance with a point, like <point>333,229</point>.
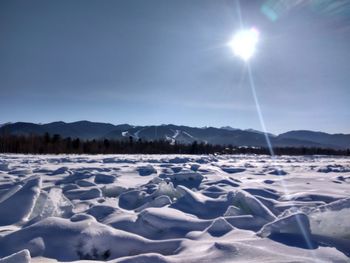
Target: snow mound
<point>188,179</point>
<point>278,172</point>
<point>166,218</point>
<point>232,170</point>
<point>200,205</point>
<point>146,170</point>
<point>80,239</point>
<point>179,160</point>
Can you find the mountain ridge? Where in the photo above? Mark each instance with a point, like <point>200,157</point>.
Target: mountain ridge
<point>180,133</point>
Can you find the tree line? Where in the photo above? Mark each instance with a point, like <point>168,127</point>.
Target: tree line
<point>55,144</point>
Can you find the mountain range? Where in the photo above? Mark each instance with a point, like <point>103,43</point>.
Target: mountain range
<point>178,133</point>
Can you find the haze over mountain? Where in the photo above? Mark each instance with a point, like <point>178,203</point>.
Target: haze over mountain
<point>177,133</point>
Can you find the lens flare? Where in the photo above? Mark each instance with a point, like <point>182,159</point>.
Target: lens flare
<point>243,43</point>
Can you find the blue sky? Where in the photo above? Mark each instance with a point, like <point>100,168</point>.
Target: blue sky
<point>162,61</point>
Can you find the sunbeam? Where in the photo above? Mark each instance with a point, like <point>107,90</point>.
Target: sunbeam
<point>244,44</point>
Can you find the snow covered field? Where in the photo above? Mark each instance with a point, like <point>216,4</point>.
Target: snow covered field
<point>166,208</point>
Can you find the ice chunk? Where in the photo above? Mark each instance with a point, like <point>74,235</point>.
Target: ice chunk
<point>22,256</point>
<point>4,167</point>
<point>332,220</point>
<point>219,227</point>
<point>61,170</point>
<point>248,222</point>
<point>179,160</point>
<point>156,180</point>
<point>189,179</point>
<point>18,207</point>
<point>195,167</point>
<point>36,246</point>
<point>84,194</point>
<point>160,201</point>
<point>132,199</point>
<point>278,171</point>
<point>297,224</point>
<point>81,217</point>
<point>167,189</point>
<point>113,190</point>
<point>334,206</point>
<point>135,198</point>
<point>200,205</point>
<point>331,223</point>
<point>104,179</point>
<point>251,205</point>
<point>72,178</point>
<point>166,218</point>
<point>52,204</point>
<point>334,168</point>
<point>146,170</point>
<point>6,194</point>
<point>232,170</point>
<point>101,211</point>
<point>85,183</point>
<point>233,211</point>
<point>214,191</point>
<point>68,187</point>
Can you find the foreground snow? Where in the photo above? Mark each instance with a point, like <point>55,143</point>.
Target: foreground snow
<point>165,208</point>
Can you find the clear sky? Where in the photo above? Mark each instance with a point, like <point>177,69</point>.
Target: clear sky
<point>162,61</point>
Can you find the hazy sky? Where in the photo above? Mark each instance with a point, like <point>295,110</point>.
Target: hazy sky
<point>164,61</point>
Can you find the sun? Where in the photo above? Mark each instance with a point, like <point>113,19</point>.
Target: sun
<point>243,43</point>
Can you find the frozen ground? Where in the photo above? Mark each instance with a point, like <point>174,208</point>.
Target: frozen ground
<point>166,208</point>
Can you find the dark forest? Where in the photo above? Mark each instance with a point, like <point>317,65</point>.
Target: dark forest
<point>55,144</point>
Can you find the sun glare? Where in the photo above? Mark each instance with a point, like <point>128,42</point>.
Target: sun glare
<point>244,43</point>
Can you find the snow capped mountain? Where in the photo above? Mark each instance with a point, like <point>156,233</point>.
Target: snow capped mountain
<point>229,128</point>
<point>260,132</point>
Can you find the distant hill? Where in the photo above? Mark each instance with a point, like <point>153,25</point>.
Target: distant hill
<point>177,133</point>
<point>80,129</point>
<point>333,140</point>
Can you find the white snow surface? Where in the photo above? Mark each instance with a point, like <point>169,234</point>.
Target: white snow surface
<point>174,208</point>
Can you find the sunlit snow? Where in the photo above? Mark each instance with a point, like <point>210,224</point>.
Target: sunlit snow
<point>174,208</point>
